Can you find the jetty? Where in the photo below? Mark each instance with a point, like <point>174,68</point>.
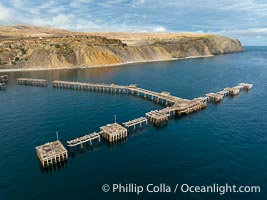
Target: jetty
<point>54,152</point>
<point>51,153</point>
<point>32,82</point>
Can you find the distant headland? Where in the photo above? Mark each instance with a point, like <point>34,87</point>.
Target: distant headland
<point>41,48</point>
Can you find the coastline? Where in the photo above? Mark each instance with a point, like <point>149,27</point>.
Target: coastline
<point>98,66</point>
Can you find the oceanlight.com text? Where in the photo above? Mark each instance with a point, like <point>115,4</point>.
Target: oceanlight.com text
<point>220,189</point>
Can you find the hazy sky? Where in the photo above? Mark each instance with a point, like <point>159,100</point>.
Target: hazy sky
<point>242,19</point>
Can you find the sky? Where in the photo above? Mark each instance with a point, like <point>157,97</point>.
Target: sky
<point>245,20</point>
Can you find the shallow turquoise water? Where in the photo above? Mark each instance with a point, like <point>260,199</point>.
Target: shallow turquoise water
<point>225,143</point>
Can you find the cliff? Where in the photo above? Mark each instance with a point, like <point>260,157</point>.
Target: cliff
<point>39,49</point>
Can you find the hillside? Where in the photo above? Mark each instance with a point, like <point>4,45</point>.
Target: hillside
<point>27,47</point>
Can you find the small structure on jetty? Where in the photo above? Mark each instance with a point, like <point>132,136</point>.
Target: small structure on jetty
<point>233,91</point>
<point>113,132</point>
<point>223,93</point>
<point>32,82</point>
<point>156,117</point>
<point>3,78</point>
<point>246,86</point>
<point>216,97</point>
<point>2,86</point>
<point>51,153</point>
<point>3,81</point>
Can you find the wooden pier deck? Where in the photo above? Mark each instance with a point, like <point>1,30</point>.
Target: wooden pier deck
<point>135,122</point>
<point>112,88</point>
<point>85,139</point>
<point>162,98</point>
<point>51,153</point>
<point>32,82</point>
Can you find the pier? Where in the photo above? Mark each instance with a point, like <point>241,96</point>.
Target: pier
<point>109,88</point>
<point>32,82</point>
<point>54,152</point>
<point>51,153</point>
<point>164,98</point>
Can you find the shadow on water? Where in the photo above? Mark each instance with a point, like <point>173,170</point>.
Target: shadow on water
<point>78,151</point>
<point>84,149</point>
<point>159,126</point>
<point>115,143</point>
<point>87,147</point>
<point>54,167</point>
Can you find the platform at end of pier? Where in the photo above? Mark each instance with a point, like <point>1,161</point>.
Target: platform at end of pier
<point>51,153</point>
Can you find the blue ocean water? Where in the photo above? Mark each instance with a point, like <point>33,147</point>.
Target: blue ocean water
<point>224,143</point>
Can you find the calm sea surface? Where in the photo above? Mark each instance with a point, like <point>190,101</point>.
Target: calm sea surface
<point>225,143</point>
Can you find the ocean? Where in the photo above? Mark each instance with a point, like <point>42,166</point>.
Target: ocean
<point>225,143</point>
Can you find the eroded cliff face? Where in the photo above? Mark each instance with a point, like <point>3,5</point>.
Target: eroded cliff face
<point>87,50</point>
